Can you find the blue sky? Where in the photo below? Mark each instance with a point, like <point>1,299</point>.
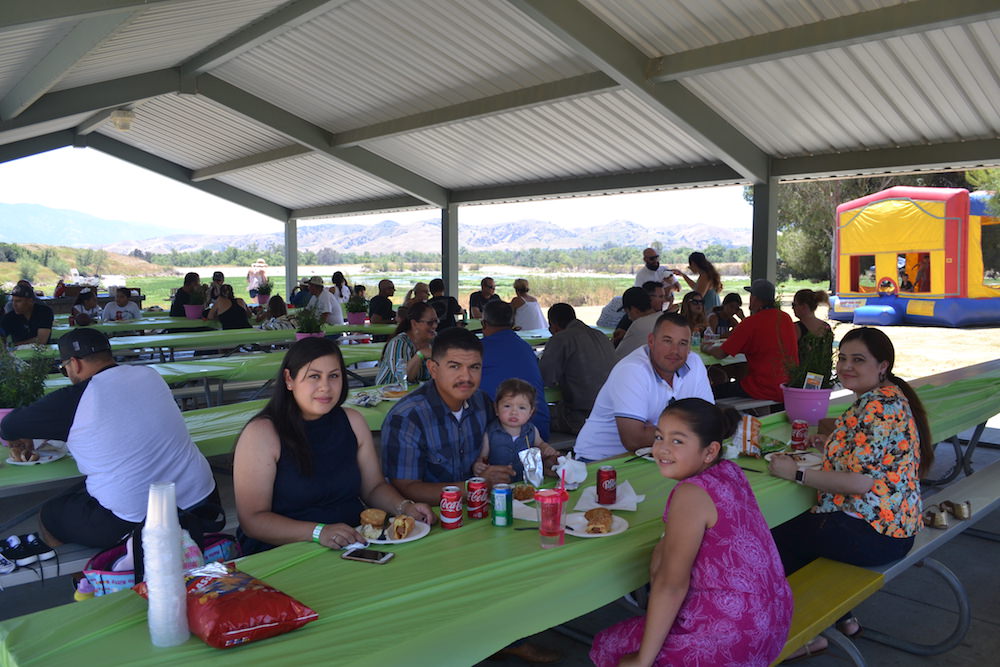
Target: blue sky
<point>89,181</point>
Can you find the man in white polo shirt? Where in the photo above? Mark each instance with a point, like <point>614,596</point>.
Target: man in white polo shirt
<point>640,386</point>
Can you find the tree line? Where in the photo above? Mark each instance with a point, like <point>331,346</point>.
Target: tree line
<point>606,259</point>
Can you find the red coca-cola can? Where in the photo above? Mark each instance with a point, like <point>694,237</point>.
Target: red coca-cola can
<point>451,507</point>
<point>800,429</point>
<point>118,315</point>
<point>607,485</point>
<point>477,498</point>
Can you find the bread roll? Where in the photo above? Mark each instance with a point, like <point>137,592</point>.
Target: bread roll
<point>598,520</point>
<point>373,517</point>
<point>401,526</point>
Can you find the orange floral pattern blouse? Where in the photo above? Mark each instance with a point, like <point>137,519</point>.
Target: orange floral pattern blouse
<point>877,436</point>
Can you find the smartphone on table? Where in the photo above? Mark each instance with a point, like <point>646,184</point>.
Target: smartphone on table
<point>368,556</point>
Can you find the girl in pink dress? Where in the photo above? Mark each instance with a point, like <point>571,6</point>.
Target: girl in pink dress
<point>718,593</point>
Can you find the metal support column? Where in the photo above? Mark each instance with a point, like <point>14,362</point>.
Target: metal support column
<point>764,250</point>
<point>449,249</point>
<point>291,256</point>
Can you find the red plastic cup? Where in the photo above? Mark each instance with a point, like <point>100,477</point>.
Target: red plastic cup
<point>551,504</point>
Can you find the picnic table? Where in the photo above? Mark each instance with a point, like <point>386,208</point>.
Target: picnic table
<point>428,605</point>
<point>167,344</point>
<point>151,322</point>
<point>251,366</point>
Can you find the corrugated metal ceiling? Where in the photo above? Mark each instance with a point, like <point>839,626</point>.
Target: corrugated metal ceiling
<point>21,49</point>
<point>662,27</point>
<point>164,36</point>
<point>194,132</point>
<point>367,62</point>
<point>942,85</point>
<point>588,136</point>
<point>308,181</point>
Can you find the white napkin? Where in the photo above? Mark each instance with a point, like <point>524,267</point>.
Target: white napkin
<point>525,511</point>
<point>626,499</point>
<point>576,471</point>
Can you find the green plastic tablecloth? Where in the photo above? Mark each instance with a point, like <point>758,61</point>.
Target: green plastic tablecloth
<point>451,598</point>
<point>125,326</point>
<point>188,341</point>
<point>257,366</point>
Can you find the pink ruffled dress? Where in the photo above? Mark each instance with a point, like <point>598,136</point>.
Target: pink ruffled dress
<point>738,607</point>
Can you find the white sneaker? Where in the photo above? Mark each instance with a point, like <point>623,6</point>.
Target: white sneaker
<point>6,565</point>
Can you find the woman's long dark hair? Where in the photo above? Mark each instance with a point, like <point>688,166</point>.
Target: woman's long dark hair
<point>880,347</point>
<point>706,268</point>
<point>282,410</point>
<point>711,423</point>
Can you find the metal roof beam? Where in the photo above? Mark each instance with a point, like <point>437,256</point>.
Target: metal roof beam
<point>270,26</point>
<point>256,160</point>
<point>902,19</point>
<point>957,155</point>
<point>611,53</point>
<point>303,132</point>
<point>555,91</point>
<point>95,97</point>
<point>35,145</point>
<point>19,13</point>
<point>80,41</point>
<point>172,170</point>
<point>360,207</point>
<point>610,184</point>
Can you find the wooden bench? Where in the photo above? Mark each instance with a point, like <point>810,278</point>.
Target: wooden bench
<point>824,590</point>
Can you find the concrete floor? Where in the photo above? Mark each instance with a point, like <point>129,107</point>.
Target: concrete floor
<point>915,605</point>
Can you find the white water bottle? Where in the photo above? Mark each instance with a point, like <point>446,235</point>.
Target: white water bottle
<point>162,559</point>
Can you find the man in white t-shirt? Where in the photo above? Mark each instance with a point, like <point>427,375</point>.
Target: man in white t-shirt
<point>323,302</point>
<point>120,458</point>
<point>121,308</point>
<point>640,386</point>
<point>654,271</point>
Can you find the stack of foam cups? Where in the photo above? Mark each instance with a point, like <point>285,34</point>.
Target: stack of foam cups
<point>161,543</point>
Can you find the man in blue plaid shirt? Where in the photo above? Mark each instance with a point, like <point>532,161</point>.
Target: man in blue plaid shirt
<point>431,438</point>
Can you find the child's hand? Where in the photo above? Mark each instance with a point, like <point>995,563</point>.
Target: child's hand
<point>479,467</point>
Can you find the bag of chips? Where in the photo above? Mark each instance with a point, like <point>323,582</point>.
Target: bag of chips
<point>226,607</point>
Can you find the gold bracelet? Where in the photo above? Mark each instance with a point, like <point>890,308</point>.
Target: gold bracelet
<point>399,508</point>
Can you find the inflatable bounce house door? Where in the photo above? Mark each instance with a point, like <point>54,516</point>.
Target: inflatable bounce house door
<point>913,256</point>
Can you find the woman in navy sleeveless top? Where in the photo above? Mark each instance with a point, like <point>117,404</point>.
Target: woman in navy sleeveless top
<point>305,467</point>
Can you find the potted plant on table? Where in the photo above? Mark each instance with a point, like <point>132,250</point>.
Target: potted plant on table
<point>22,381</point>
<point>195,306</point>
<point>810,382</point>
<point>309,325</point>
<point>357,309</point>
<point>264,292</point>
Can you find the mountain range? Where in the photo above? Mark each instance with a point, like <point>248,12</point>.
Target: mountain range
<point>28,223</point>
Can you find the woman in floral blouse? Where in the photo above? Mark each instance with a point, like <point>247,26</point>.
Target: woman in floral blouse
<point>868,489</point>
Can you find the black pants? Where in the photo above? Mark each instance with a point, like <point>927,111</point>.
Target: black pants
<point>77,517</point>
<point>836,536</point>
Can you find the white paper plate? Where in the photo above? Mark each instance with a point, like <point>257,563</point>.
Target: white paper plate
<point>578,522</point>
<point>420,529</point>
<point>805,460</point>
<point>646,453</point>
<point>43,457</point>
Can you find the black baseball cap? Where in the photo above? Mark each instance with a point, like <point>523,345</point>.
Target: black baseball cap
<point>23,291</point>
<point>80,343</point>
